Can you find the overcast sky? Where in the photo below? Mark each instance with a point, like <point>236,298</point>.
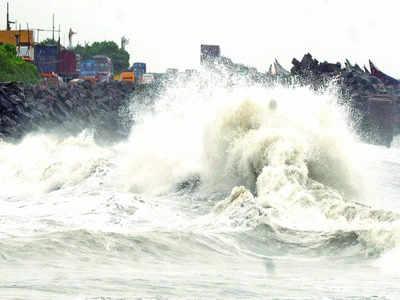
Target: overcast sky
<point>168,33</point>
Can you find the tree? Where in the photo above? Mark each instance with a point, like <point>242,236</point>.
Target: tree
<point>13,68</point>
<point>48,42</point>
<point>119,57</point>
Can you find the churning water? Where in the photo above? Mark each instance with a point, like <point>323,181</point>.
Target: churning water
<point>219,193</point>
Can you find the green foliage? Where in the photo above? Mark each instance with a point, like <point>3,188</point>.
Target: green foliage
<point>119,57</point>
<point>48,42</point>
<point>10,50</point>
<point>13,68</point>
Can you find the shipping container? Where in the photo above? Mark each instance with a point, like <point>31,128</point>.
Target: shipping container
<point>67,64</point>
<point>46,58</point>
<point>209,53</point>
<point>25,37</point>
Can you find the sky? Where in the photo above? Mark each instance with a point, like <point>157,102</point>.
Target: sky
<point>168,33</point>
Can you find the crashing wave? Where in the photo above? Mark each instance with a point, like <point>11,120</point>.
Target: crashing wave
<point>294,172</point>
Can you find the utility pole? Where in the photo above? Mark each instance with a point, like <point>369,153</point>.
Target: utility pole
<point>43,30</point>
<point>8,19</point>
<point>53,27</point>
<point>28,52</point>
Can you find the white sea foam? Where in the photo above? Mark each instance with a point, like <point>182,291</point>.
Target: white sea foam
<point>43,163</point>
<point>285,152</point>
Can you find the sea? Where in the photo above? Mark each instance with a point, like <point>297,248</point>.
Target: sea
<point>238,192</point>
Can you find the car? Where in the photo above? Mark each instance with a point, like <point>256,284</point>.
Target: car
<point>147,78</point>
<point>76,80</point>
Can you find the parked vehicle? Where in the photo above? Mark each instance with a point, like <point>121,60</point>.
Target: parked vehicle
<point>104,68</point>
<point>51,78</point>
<point>88,70</point>
<point>46,59</point>
<point>127,77</point>
<point>172,71</point>
<point>67,65</point>
<point>139,68</point>
<point>190,72</point>
<point>97,69</point>
<point>76,80</point>
<point>147,78</point>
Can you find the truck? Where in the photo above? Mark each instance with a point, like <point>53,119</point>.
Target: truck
<point>88,70</point>
<point>104,68</point>
<point>46,59</point>
<point>97,69</point>
<point>67,65</point>
<point>139,68</point>
<point>127,77</point>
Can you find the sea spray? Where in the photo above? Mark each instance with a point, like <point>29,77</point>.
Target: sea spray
<point>288,151</point>
<point>42,163</point>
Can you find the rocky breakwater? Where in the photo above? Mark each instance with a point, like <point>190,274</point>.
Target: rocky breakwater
<point>68,109</point>
<point>372,100</point>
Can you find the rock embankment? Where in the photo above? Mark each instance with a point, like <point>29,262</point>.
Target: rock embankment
<point>357,82</point>
<point>373,101</point>
<point>67,109</point>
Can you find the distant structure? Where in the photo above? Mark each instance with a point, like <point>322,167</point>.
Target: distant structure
<point>16,37</point>
<point>8,20</point>
<point>22,39</point>
<point>70,34</point>
<point>124,42</point>
<point>208,53</point>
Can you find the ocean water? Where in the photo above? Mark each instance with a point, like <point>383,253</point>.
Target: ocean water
<point>238,193</point>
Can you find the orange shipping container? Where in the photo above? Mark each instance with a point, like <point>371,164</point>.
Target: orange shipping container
<point>10,36</point>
